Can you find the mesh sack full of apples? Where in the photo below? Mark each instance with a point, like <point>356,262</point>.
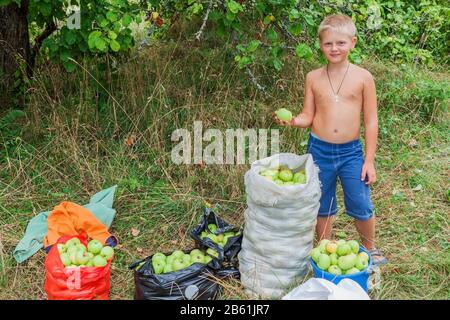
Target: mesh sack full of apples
<point>279,223</point>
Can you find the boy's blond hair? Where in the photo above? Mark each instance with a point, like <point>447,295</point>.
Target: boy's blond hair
<point>338,22</point>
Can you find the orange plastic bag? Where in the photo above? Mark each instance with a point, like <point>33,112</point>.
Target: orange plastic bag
<point>87,283</point>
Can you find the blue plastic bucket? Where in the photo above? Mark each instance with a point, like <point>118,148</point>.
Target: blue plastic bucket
<point>360,277</point>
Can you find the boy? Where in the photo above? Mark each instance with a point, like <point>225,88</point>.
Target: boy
<point>335,96</point>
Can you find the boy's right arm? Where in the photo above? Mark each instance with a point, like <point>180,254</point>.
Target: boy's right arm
<point>305,118</point>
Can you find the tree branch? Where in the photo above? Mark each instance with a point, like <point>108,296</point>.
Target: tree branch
<point>199,34</point>
<point>50,28</point>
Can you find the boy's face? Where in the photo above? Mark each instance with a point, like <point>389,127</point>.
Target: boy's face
<point>336,45</point>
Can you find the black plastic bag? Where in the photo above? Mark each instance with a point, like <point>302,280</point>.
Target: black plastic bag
<point>196,282</point>
<point>233,246</point>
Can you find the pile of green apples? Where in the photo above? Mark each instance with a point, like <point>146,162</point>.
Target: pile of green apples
<point>284,176</point>
<point>340,257</point>
<point>75,254</point>
<point>219,239</point>
<point>178,260</point>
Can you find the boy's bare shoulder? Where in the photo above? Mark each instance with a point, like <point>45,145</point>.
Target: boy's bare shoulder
<point>314,74</point>
<point>363,73</point>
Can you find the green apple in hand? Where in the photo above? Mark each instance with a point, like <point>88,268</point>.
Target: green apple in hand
<point>284,114</point>
<point>95,246</point>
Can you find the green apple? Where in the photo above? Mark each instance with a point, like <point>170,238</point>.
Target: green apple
<point>107,252</point>
<point>187,259</point>
<point>278,182</point>
<point>73,241</point>
<point>354,246</point>
<point>322,245</point>
<point>81,247</point>
<point>352,270</point>
<point>158,266</point>
<point>61,248</point>
<point>315,253</point>
<point>286,175</point>
<point>299,178</point>
<point>364,256</point>
<point>347,262</point>
<point>178,264</point>
<point>195,252</point>
<point>198,257</point>
<point>228,234</point>
<point>341,241</point>
<point>71,249</point>
<point>334,259</point>
<point>343,249</point>
<point>81,258</point>
<point>167,268</point>
<point>361,263</point>
<point>212,227</point>
<point>333,269</point>
<point>203,234</point>
<point>95,246</point>
<point>90,255</point>
<point>99,261</point>
<point>213,237</point>
<point>90,263</point>
<point>324,261</point>
<point>270,173</point>
<point>169,260</point>
<point>284,114</point>
<point>73,257</point>
<point>177,254</point>
<point>331,247</point>
<point>65,259</point>
<point>207,259</point>
<point>212,252</point>
<point>289,183</point>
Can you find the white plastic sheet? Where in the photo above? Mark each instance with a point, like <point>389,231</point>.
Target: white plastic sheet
<point>279,226</point>
<point>321,289</point>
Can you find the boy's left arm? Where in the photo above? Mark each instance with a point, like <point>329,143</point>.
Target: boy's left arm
<point>371,128</point>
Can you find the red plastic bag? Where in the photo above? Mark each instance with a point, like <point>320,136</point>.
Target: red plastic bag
<point>87,283</point>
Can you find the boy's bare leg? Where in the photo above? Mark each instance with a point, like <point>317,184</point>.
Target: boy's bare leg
<point>323,227</point>
<point>366,230</point>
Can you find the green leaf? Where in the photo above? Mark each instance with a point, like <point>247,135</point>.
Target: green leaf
<point>69,66</point>
<point>234,6</point>
<point>45,8</point>
<point>253,45</point>
<point>277,64</point>
<point>230,16</point>
<point>126,20</point>
<point>244,62</point>
<point>111,16</point>
<point>100,44</point>
<point>304,51</point>
<point>112,35</point>
<point>115,46</point>
<point>70,37</point>
<point>294,14</point>
<point>295,29</point>
<point>272,34</point>
<point>93,36</point>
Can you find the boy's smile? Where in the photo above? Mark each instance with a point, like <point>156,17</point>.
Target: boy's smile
<point>336,45</point>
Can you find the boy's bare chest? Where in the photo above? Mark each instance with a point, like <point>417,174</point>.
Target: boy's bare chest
<point>350,94</point>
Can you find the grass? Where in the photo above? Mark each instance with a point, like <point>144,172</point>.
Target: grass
<point>78,138</point>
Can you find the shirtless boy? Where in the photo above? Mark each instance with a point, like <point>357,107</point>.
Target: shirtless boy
<point>335,97</point>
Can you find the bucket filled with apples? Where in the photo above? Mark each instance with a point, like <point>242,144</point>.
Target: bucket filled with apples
<point>78,270</point>
<point>337,260</point>
<point>179,275</point>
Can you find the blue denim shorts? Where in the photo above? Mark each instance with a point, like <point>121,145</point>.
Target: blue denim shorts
<point>343,160</point>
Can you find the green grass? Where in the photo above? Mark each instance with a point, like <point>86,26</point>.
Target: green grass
<point>73,144</point>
